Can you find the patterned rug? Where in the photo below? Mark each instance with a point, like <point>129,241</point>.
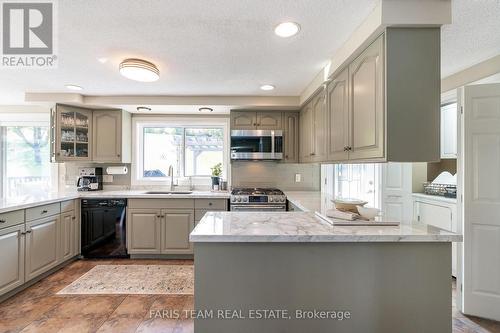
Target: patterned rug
<point>134,279</point>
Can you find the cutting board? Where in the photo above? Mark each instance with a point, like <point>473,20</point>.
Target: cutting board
<point>357,223</point>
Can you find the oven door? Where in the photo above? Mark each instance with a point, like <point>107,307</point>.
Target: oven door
<point>257,208</point>
<point>256,145</point>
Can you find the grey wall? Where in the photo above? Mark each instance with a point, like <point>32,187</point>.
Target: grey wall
<point>280,175</point>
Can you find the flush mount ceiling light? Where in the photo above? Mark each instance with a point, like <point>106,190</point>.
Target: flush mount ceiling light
<point>287,29</point>
<point>267,87</point>
<point>143,108</point>
<point>73,87</point>
<point>205,109</point>
<point>139,70</point>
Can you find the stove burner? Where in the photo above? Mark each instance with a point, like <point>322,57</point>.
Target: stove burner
<point>256,191</point>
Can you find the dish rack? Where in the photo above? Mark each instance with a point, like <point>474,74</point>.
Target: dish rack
<point>444,190</point>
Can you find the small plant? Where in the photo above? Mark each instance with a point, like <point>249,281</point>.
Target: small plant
<point>216,170</point>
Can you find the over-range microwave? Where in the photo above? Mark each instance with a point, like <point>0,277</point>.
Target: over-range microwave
<point>256,144</point>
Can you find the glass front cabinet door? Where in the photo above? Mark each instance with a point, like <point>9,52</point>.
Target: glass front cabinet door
<point>73,132</point>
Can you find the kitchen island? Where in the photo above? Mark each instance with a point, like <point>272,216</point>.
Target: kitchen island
<point>295,272</point>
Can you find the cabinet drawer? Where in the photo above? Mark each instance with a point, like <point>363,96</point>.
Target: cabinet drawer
<point>67,206</point>
<point>11,218</point>
<point>42,211</point>
<point>161,203</point>
<point>210,204</point>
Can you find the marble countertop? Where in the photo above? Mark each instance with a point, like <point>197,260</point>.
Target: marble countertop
<point>306,227</point>
<point>10,204</point>
<point>435,197</point>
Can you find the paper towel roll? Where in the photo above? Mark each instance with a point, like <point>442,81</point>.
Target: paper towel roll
<point>117,170</point>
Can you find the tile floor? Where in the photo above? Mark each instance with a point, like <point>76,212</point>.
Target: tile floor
<point>39,309</point>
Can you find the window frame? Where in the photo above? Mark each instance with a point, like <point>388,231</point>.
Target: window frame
<point>24,119</point>
<point>138,125</point>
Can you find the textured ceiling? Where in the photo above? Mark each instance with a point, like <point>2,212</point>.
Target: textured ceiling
<point>223,47</point>
<point>473,36</point>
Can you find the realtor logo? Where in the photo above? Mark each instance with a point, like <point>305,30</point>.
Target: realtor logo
<point>28,34</point>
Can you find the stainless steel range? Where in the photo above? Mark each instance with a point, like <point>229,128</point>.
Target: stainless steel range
<point>258,199</point>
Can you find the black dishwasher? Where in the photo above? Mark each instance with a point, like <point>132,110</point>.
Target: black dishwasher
<point>103,228</point>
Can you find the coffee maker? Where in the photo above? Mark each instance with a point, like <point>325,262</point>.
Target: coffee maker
<point>90,179</point>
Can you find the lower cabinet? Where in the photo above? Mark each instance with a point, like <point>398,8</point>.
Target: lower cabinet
<point>176,225</point>
<point>41,245</point>
<point>144,231</point>
<point>12,258</point>
<point>157,226</point>
<point>67,230</point>
<point>440,214</point>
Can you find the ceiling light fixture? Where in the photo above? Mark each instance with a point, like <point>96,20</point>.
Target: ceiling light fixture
<point>73,87</point>
<point>143,108</point>
<point>267,87</point>
<point>205,109</point>
<point>287,29</point>
<point>139,70</point>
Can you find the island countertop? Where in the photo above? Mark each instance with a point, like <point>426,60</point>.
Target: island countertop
<point>306,227</point>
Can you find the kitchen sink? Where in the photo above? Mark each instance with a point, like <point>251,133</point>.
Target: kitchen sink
<point>168,192</point>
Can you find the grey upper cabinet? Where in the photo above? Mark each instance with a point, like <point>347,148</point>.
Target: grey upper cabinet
<point>264,120</point>
<point>81,134</point>
<point>384,105</point>
<point>109,139</point>
<point>306,136</point>
<point>243,120</point>
<point>338,117</point>
<point>367,103</point>
<point>71,131</point>
<point>290,137</point>
<point>320,128</point>
<point>269,120</point>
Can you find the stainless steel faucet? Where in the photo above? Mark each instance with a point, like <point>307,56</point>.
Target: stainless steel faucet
<point>171,175</point>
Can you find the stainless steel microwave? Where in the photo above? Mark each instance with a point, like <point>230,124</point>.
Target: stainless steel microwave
<point>256,144</point>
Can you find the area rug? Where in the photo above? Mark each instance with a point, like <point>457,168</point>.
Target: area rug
<point>134,279</point>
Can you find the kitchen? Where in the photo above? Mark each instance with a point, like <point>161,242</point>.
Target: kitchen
<point>156,189</point>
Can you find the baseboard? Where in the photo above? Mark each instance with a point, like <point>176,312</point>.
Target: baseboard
<point>161,256</point>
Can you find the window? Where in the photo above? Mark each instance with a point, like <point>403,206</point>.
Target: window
<point>358,181</point>
<point>25,157</point>
<point>190,148</point>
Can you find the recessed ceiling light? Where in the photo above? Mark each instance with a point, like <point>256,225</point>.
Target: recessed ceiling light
<point>143,108</point>
<point>287,29</point>
<point>102,60</point>
<point>139,70</point>
<point>73,87</point>
<point>205,109</point>
<point>267,87</point>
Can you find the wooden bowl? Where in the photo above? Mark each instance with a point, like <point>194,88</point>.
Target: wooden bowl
<point>348,204</point>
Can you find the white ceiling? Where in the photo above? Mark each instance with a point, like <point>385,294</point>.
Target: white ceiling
<point>223,47</point>
<point>473,36</point>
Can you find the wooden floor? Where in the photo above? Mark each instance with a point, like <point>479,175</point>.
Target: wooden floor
<point>39,309</point>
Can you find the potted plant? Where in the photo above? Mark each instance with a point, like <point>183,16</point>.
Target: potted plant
<point>216,172</point>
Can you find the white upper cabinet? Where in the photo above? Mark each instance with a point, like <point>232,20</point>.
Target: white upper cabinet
<point>384,105</point>
<point>449,114</point>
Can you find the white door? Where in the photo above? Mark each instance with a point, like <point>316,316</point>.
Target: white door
<point>449,131</point>
<point>481,179</point>
<point>396,191</point>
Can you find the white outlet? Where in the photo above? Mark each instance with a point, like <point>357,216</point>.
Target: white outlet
<point>298,177</point>
<point>107,178</point>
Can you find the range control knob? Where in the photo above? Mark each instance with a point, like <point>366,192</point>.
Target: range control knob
<point>245,199</point>
<point>271,199</point>
<point>239,199</point>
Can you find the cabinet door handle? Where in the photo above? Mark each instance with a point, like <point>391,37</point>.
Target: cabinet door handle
<point>28,231</point>
<point>118,155</point>
<point>312,154</point>
<point>210,204</point>
<point>158,216</point>
<point>73,218</point>
<point>44,211</point>
<point>286,156</point>
<point>23,233</point>
<point>2,221</point>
